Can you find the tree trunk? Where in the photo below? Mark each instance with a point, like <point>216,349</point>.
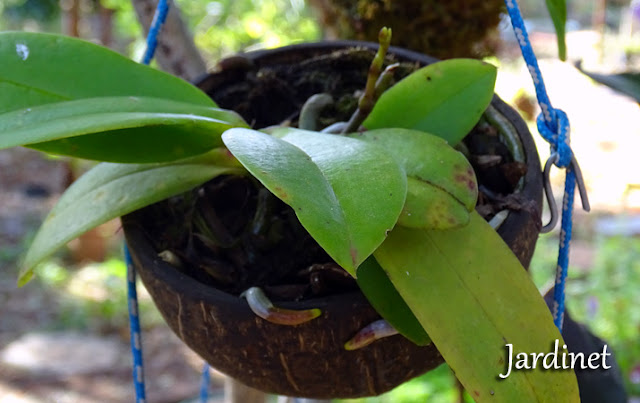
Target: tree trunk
<point>176,52</point>
<point>442,29</point>
<point>106,25</point>
<point>71,17</point>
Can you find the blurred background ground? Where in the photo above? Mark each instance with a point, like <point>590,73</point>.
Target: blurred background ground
<point>64,336</point>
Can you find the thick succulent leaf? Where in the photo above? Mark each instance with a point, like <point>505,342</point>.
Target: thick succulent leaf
<point>446,98</point>
<point>41,68</point>
<point>558,11</point>
<point>442,186</point>
<point>347,193</point>
<point>429,207</point>
<point>108,191</point>
<point>383,296</point>
<point>123,129</point>
<point>473,297</point>
<point>626,83</point>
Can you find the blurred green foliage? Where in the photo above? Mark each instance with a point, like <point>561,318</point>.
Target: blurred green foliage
<point>224,27</point>
<point>608,301</point>
<point>220,28</point>
<point>31,15</point>
<point>40,10</point>
<point>436,386</point>
<point>94,297</point>
<point>604,296</point>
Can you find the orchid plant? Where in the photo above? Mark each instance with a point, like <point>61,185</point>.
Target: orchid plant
<point>388,197</point>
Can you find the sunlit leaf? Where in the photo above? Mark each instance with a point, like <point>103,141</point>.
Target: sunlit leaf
<point>441,186</point>
<point>40,68</point>
<point>123,129</point>
<point>347,193</point>
<point>446,98</point>
<point>111,190</point>
<point>473,297</point>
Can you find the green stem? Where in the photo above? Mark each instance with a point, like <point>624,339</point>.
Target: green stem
<point>382,84</point>
<point>368,98</point>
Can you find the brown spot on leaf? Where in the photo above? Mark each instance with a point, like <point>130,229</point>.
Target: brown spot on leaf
<point>471,184</point>
<point>354,255</point>
<point>465,179</point>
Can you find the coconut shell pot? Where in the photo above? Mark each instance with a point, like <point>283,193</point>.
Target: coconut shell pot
<point>309,360</point>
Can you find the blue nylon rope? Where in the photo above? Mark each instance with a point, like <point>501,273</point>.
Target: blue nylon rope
<point>204,383</point>
<point>160,16</point>
<point>134,328</point>
<point>134,320</point>
<point>553,125</point>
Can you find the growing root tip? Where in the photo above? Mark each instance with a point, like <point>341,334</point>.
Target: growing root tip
<point>262,306</point>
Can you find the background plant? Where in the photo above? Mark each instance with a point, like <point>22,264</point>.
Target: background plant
<point>603,296</point>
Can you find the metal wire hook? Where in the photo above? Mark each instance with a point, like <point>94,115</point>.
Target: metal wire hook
<point>551,201</point>
<point>548,192</point>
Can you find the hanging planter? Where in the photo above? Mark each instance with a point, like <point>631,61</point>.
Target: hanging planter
<point>386,201</point>
<point>310,359</point>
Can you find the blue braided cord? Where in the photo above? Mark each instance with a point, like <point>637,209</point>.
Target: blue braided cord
<point>532,63</point>
<point>563,253</point>
<point>204,383</point>
<point>159,18</point>
<point>554,127</point>
<point>134,321</point>
<point>553,124</point>
<point>559,140</point>
<point>134,328</point>
<point>152,42</point>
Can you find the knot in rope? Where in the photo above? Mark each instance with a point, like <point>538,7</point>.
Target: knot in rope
<point>553,125</point>
<point>557,133</point>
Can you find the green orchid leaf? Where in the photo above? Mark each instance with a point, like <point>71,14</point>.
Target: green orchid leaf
<point>347,193</point>
<point>441,187</point>
<point>558,11</point>
<point>473,297</point>
<point>108,191</point>
<point>123,129</point>
<point>383,296</point>
<point>41,68</point>
<point>446,98</point>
